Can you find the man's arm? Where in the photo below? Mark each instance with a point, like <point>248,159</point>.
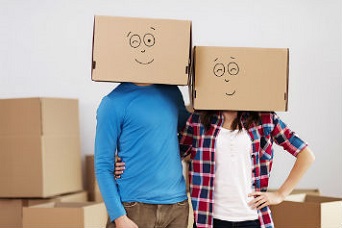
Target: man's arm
<point>107,131</point>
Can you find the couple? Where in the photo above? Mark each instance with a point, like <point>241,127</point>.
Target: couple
<point>230,151</point>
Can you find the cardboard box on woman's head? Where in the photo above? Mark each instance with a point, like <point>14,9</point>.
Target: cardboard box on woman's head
<point>232,78</point>
<point>141,50</point>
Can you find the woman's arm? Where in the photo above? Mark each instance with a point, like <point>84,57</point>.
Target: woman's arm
<point>304,160</point>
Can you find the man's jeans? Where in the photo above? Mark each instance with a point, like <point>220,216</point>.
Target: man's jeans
<point>158,215</point>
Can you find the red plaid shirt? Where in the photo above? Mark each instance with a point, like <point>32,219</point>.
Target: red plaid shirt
<point>201,145</point>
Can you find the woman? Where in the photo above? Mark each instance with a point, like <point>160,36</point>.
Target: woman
<point>231,159</point>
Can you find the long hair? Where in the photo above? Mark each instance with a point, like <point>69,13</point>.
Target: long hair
<point>252,118</point>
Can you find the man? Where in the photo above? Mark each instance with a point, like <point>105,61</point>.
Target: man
<point>140,121</point>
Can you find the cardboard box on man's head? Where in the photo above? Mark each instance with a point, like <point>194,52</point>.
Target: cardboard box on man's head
<point>141,50</point>
<point>232,78</point>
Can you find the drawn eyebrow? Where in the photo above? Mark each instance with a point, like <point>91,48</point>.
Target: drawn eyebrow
<point>152,28</point>
<point>232,57</point>
<point>215,59</point>
<point>128,34</point>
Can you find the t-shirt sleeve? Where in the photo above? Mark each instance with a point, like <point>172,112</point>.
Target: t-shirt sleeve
<point>107,132</point>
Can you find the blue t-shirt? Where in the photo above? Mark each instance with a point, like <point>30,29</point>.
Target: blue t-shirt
<point>141,124</point>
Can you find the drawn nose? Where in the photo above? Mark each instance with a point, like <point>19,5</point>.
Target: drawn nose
<point>226,80</point>
<point>143,51</point>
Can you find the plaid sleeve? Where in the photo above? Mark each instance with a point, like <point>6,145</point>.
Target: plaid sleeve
<point>185,138</point>
<point>286,138</point>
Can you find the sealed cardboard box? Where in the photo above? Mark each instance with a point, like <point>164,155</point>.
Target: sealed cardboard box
<point>77,215</point>
<point>141,50</point>
<point>39,147</point>
<point>92,186</point>
<point>305,210</point>
<point>11,209</point>
<point>232,78</point>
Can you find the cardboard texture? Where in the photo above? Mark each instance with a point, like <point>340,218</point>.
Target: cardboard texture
<point>11,209</point>
<point>233,78</point>
<point>305,210</point>
<point>39,147</point>
<point>92,186</point>
<point>10,213</point>
<point>141,50</point>
<point>60,215</point>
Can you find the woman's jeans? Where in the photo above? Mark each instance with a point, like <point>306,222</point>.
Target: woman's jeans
<point>226,224</point>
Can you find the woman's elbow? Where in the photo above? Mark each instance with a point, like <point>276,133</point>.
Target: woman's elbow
<point>309,155</point>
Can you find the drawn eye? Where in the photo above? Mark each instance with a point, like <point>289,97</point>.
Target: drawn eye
<point>233,68</point>
<point>219,69</point>
<point>149,40</point>
<point>135,41</point>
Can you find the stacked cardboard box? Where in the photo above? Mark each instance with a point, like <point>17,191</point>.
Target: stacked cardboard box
<point>306,210</point>
<point>40,155</point>
<point>52,215</point>
<point>94,193</point>
<point>11,210</point>
<point>39,147</point>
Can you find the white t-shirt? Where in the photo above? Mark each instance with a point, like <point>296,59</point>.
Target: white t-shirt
<point>233,176</point>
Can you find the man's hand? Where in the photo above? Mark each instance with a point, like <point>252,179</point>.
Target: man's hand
<point>124,222</point>
<point>263,199</point>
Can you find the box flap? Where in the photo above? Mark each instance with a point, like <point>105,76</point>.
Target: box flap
<point>321,199</point>
<point>331,214</point>
<point>50,216</point>
<point>53,215</point>
<point>96,215</point>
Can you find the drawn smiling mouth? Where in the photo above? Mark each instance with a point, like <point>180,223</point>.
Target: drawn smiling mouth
<point>230,94</point>
<point>144,63</point>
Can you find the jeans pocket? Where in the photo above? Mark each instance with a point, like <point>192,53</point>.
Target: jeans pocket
<point>183,203</point>
<point>129,204</point>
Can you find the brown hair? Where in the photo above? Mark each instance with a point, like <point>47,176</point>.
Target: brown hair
<point>252,118</point>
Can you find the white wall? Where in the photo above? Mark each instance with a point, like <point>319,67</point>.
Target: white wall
<point>45,50</point>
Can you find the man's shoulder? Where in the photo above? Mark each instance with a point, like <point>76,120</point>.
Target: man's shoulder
<point>118,93</point>
<point>112,100</point>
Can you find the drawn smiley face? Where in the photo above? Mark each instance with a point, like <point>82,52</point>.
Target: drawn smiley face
<point>220,70</point>
<point>142,44</point>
